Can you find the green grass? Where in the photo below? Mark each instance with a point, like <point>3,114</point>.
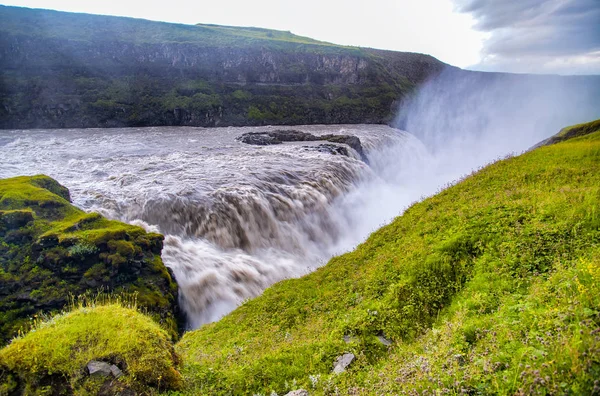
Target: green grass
<point>52,357</point>
<point>87,27</point>
<point>491,286</point>
<point>575,131</point>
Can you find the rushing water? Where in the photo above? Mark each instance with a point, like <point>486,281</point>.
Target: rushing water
<point>237,218</point>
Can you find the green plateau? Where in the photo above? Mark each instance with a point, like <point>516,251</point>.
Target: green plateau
<point>492,286</point>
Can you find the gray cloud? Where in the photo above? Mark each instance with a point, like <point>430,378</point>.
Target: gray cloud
<point>538,35</point>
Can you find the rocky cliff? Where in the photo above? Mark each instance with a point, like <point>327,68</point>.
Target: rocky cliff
<point>76,70</point>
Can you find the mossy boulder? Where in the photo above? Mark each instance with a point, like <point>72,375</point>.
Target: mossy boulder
<point>51,252</point>
<point>54,356</point>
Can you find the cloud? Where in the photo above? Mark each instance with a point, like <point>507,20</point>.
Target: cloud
<point>560,36</point>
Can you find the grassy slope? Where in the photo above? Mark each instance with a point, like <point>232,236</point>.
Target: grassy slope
<point>574,131</point>
<point>491,286</point>
<point>88,27</point>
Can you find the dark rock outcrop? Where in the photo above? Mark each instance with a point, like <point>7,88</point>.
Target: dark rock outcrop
<point>279,136</point>
<point>330,149</point>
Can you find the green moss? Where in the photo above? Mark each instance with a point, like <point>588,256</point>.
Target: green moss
<point>489,287</point>
<point>61,348</point>
<point>51,250</point>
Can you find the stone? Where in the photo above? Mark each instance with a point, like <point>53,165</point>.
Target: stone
<point>101,369</point>
<point>279,136</point>
<point>116,372</point>
<point>342,362</point>
<point>297,392</point>
<point>333,149</point>
<point>384,340</point>
<point>259,139</point>
<point>352,141</point>
<point>348,339</point>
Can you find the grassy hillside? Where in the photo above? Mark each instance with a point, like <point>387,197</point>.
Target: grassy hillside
<point>87,27</point>
<point>573,132</point>
<point>490,287</point>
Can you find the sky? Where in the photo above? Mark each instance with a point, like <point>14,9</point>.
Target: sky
<point>523,36</point>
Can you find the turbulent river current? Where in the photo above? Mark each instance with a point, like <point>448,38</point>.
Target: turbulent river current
<point>236,217</point>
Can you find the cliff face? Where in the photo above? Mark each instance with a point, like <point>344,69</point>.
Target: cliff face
<point>75,70</point>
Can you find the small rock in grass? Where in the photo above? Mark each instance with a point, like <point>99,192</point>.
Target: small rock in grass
<point>97,368</point>
<point>342,362</point>
<point>297,392</point>
<point>384,340</point>
<point>348,339</point>
<point>116,372</point>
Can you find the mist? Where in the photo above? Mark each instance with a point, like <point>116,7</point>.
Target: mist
<point>457,123</point>
<point>486,115</point>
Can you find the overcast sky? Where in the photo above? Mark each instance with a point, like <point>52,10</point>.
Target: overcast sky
<point>533,36</point>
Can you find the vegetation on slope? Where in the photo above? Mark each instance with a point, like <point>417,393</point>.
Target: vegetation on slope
<point>491,286</point>
<point>573,132</point>
<point>51,359</point>
<point>76,70</point>
<point>51,251</point>
<point>88,27</point>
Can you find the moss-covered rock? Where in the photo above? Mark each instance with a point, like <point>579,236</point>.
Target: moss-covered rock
<point>54,356</point>
<point>50,251</point>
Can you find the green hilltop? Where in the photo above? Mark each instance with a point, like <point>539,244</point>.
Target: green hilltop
<point>88,27</point>
<point>491,286</point>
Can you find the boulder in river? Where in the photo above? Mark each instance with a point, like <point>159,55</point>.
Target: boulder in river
<point>279,136</point>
